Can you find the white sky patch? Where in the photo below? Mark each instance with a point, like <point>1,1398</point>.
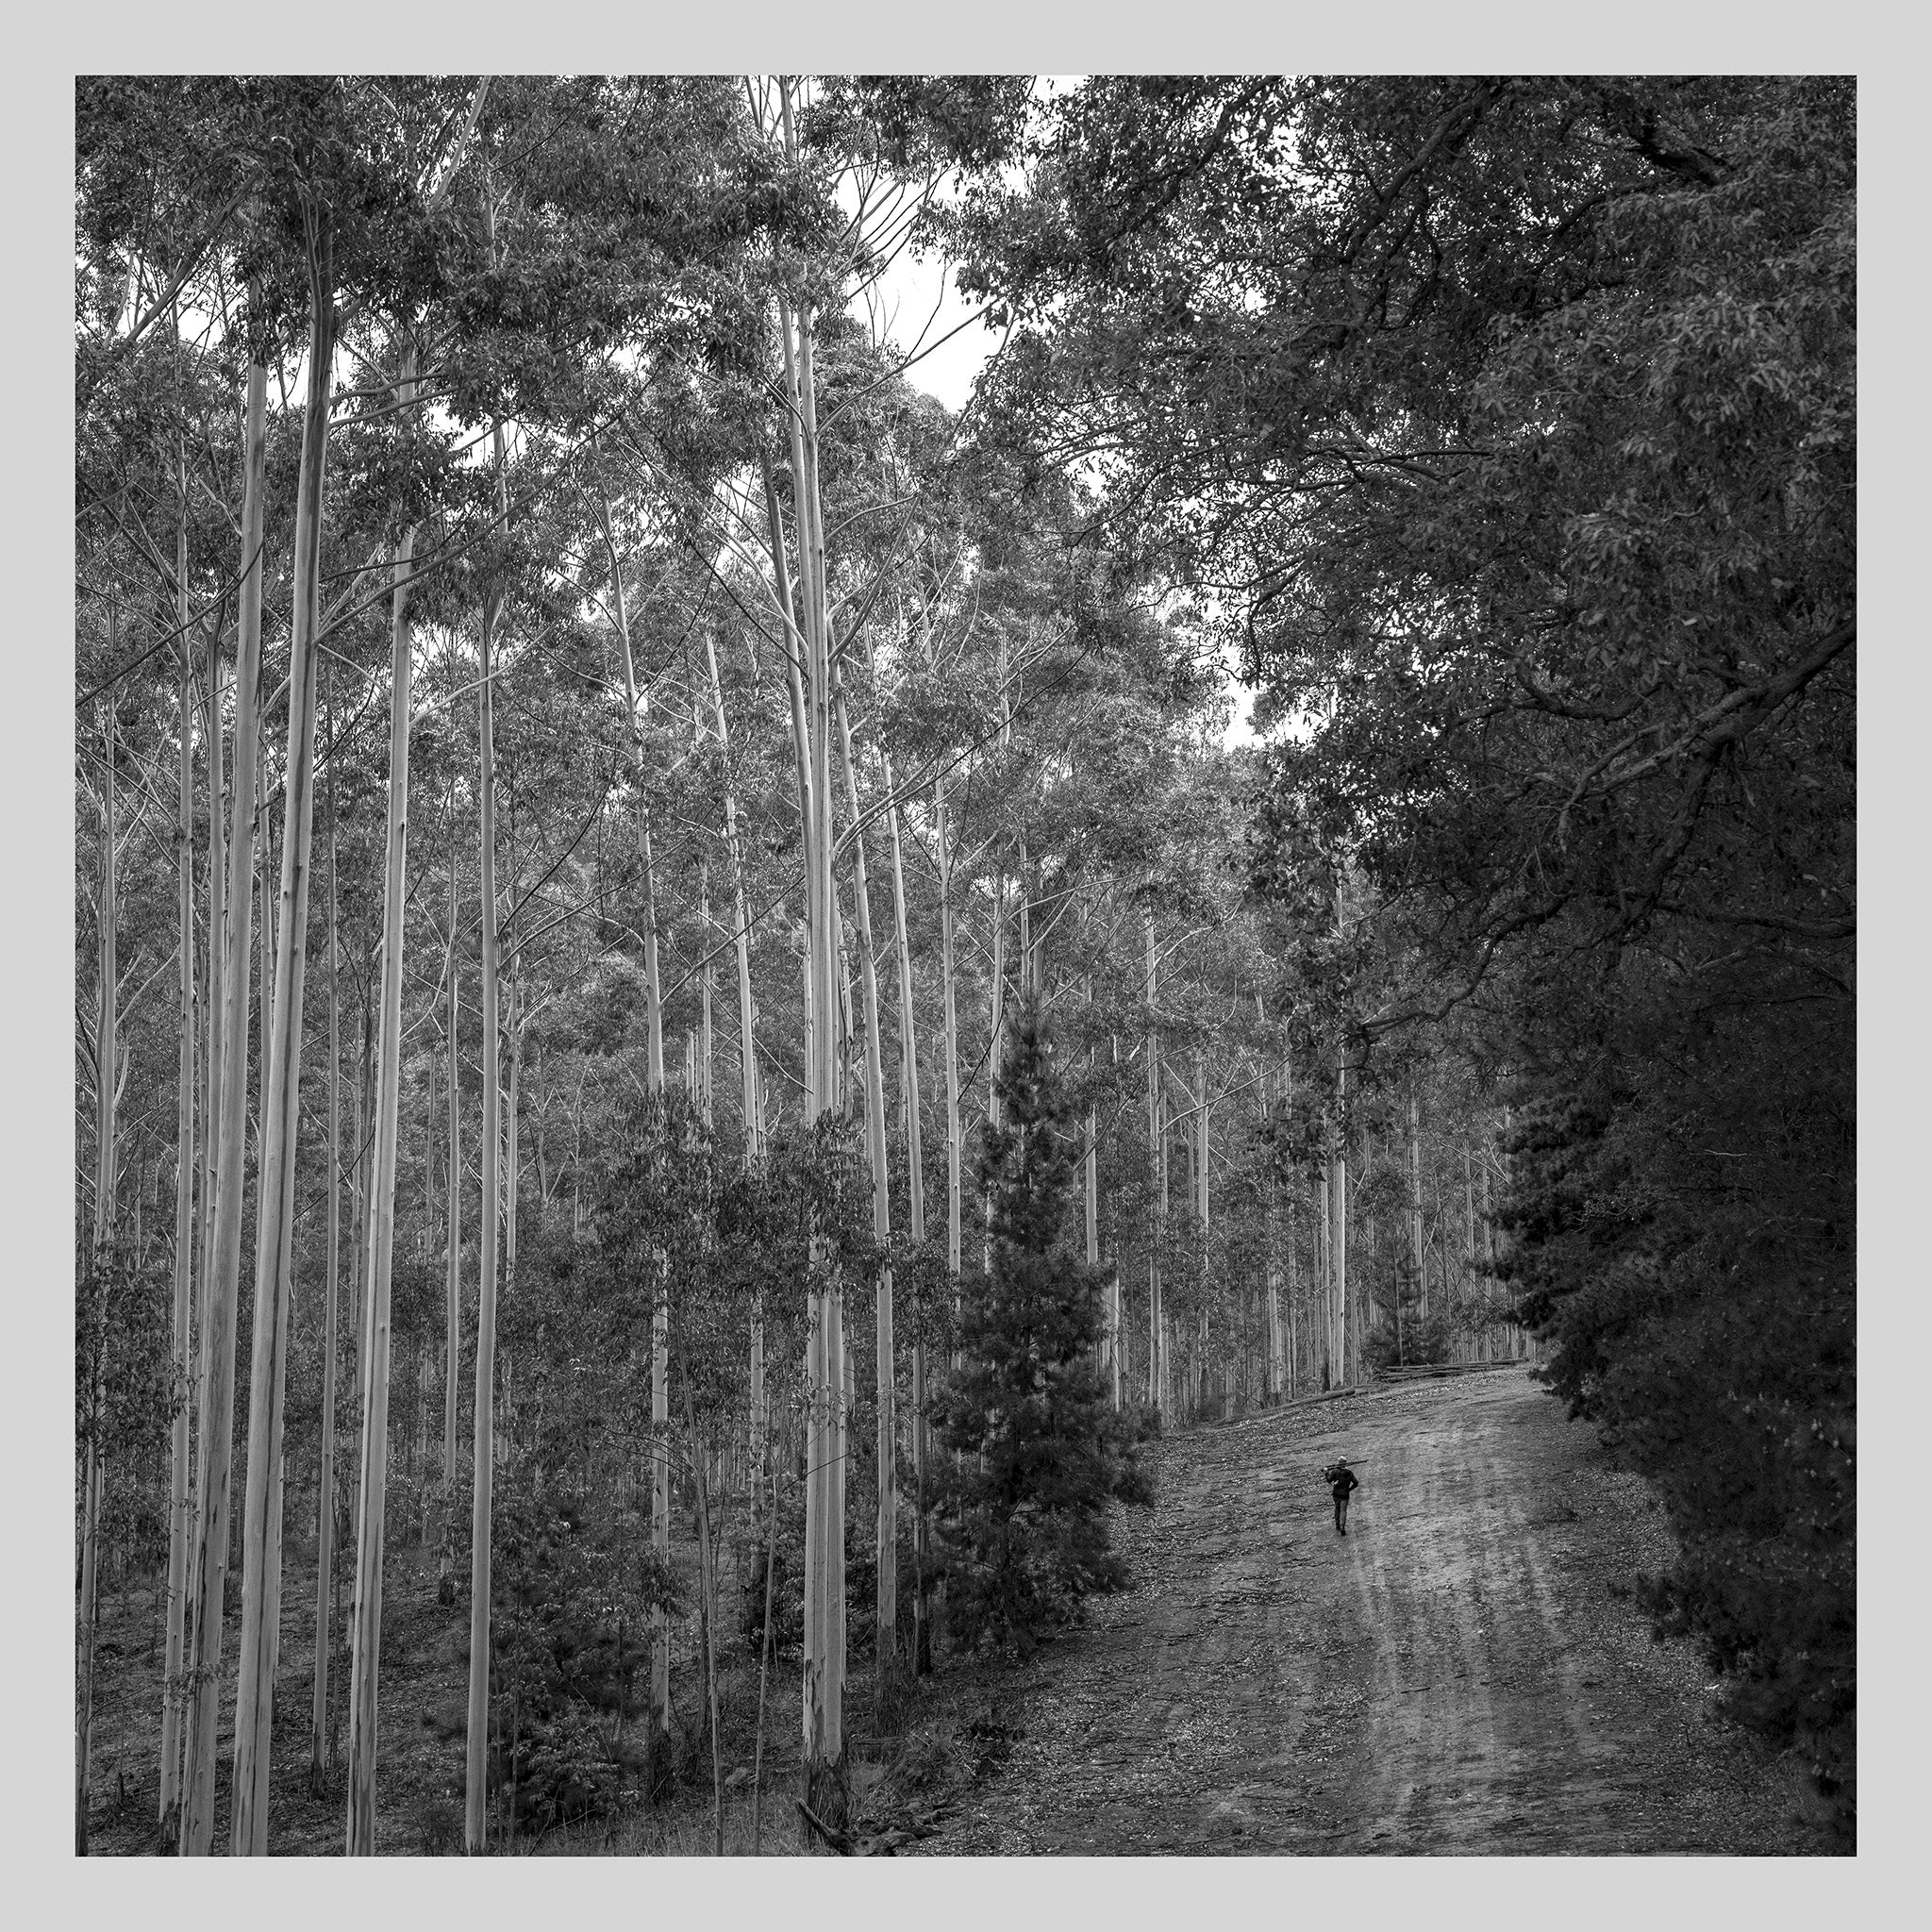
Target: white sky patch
<point>917,305</point>
<point>1240,727</point>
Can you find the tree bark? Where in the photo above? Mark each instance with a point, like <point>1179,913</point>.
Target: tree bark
<point>954,1205</point>
<point>184,1206</point>
<point>105,1094</point>
<point>262,1545</point>
<point>477,1759</point>
<point>217,924</point>
<point>365,1644</point>
<point>1156,1144</point>
<point>319,1737</point>
<point>453,1331</point>
<point>1415,1201</point>
<point>823,1768</point>
<point>212,1512</point>
<point>887,1533</point>
<point>748,1068</point>
<point>659,1722</point>
<point>915,1187</point>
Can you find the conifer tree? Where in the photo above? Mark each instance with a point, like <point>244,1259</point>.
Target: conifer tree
<point>1023,1514</point>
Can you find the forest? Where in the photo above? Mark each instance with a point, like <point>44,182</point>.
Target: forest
<point>699,1014</point>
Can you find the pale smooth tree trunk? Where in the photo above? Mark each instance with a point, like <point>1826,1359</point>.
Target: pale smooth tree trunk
<point>512,1150</point>
<point>1279,1352</point>
<point>1491,1343</point>
<point>915,1186</point>
<point>748,1070</point>
<point>887,1537</point>
<point>708,986</point>
<point>265,977</point>
<point>1320,1300</point>
<point>659,1722</point>
<point>1202,1147</point>
<point>319,1753</point>
<point>365,1642</point>
<point>1116,1308</point>
<point>477,1750</point>
<point>364,1140</point>
<point>1415,1201</point>
<point>1517,1343</point>
<point>844,1071</point>
<point>212,1500</point>
<point>1345,1340</point>
<point>823,1679</point>
<point>1090,1176</point>
<point>955,1230</point>
<point>1156,1144</point>
<point>216,922</point>
<point>795,647</point>
<point>184,1206</point>
<point>217,901</point>
<point>106,1092</point>
<point>453,1329</point>
<point>262,1529</point>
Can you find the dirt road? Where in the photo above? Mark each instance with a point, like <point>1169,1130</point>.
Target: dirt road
<point>1463,1672</point>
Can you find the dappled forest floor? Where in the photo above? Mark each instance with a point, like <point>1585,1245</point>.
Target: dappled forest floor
<point>423,1729</point>
<point>1469,1671</point>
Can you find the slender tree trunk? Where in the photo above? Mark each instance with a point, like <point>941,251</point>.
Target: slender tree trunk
<point>453,1323</point>
<point>824,1769</point>
<point>1090,1192</point>
<point>476,1761</point>
<point>1090,1176</point>
<point>360,1191</point>
<point>1321,1298</point>
<point>365,1645</point>
<point>953,1204</point>
<point>1278,1352</point>
<point>659,1722</point>
<point>262,1549</point>
<point>886,1538</point>
<point>1201,1208</point>
<point>319,1737</point>
<point>1117,1323</point>
<point>796,648</point>
<point>106,1092</point>
<point>1157,1143</point>
<point>212,1512</point>
<point>1415,1200</point>
<point>1341,1314</point>
<point>1491,1343</point>
<point>707,1592</point>
<point>217,924</point>
<point>265,979</point>
<point>748,1066</point>
<point>915,1185</point>
<point>512,1151</point>
<point>758,1770</point>
<point>1295,1328</point>
<point>184,1209</point>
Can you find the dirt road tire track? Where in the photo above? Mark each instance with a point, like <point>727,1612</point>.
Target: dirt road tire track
<point>1455,1676</point>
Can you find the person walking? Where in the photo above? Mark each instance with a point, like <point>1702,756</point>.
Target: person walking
<point>1341,1482</point>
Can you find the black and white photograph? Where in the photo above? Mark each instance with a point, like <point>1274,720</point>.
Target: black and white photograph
<point>965,965</point>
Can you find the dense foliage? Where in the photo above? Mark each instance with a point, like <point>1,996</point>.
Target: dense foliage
<point>1500,430</point>
<point>1511,424</point>
<point>1037,1450</point>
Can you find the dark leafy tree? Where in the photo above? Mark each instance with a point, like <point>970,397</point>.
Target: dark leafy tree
<point>1023,1513</point>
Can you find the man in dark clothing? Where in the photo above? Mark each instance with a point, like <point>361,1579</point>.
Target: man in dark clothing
<point>1341,1481</point>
